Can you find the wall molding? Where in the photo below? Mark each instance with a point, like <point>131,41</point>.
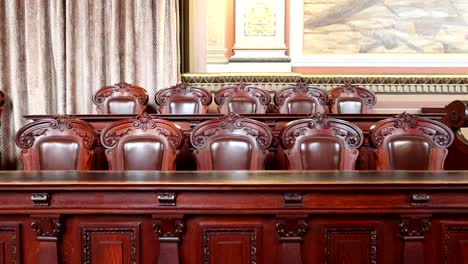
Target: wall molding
<point>384,84</point>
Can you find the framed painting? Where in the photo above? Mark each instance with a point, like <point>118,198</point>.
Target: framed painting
<point>409,33</point>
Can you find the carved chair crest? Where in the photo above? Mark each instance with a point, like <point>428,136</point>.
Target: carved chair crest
<point>225,95</point>
<point>165,96</point>
<point>232,126</point>
<point>123,90</point>
<point>57,128</point>
<point>301,92</point>
<point>436,135</point>
<point>347,92</point>
<point>143,127</point>
<point>319,127</point>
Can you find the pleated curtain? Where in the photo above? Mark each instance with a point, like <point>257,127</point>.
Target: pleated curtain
<point>55,54</point>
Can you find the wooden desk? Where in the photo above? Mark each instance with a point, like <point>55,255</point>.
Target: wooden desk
<point>455,160</point>
<point>234,217</point>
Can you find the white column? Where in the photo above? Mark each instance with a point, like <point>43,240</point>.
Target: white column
<point>216,50</point>
<point>260,31</point>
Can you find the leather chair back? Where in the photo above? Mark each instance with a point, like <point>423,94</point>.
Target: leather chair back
<point>242,99</point>
<point>301,99</point>
<point>351,99</point>
<point>321,143</point>
<point>122,98</point>
<point>409,142</point>
<point>61,143</point>
<point>142,143</point>
<point>231,143</point>
<point>183,99</point>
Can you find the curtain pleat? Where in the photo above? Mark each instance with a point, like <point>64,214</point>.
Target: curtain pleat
<point>55,54</point>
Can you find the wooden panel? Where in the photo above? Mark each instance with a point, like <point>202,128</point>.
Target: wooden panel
<point>230,245</point>
<point>455,239</point>
<point>351,245</point>
<point>110,243</point>
<point>10,241</point>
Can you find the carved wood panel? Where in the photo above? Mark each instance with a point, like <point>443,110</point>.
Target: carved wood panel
<point>455,242</point>
<point>10,241</point>
<point>351,245</point>
<point>112,243</point>
<point>231,245</point>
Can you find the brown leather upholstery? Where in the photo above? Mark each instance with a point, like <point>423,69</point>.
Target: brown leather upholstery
<point>142,143</point>
<point>321,143</point>
<point>409,142</point>
<point>242,99</point>
<point>183,99</point>
<point>301,99</point>
<point>61,143</point>
<point>231,143</point>
<point>122,98</point>
<point>351,99</point>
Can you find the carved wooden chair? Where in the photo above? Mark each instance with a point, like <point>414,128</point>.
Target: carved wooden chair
<point>60,143</point>
<point>183,99</point>
<point>409,142</point>
<point>349,99</point>
<point>301,99</point>
<point>142,143</point>
<point>231,143</point>
<point>321,143</point>
<point>242,99</point>
<point>122,98</point>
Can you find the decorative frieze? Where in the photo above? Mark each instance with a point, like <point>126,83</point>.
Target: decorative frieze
<point>388,84</point>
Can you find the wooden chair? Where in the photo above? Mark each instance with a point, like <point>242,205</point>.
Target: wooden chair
<point>122,98</point>
<point>231,143</point>
<point>321,143</point>
<point>183,99</point>
<point>60,143</point>
<point>242,99</point>
<point>301,99</point>
<point>142,143</point>
<point>409,142</point>
<point>349,99</point>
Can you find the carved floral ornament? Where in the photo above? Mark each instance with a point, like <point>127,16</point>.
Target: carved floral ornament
<point>437,132</point>
<point>46,227</point>
<point>121,87</point>
<point>27,135</point>
<point>367,96</point>
<point>112,135</point>
<point>232,122</point>
<point>163,96</point>
<point>349,132</point>
<point>175,234</point>
<point>251,90</point>
<point>298,89</point>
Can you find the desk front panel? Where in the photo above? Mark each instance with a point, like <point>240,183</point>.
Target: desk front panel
<point>234,217</point>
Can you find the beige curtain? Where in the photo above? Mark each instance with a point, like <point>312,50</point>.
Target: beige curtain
<point>54,54</point>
